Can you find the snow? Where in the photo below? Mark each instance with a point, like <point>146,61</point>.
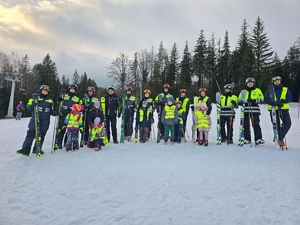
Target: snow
<point>152,183</point>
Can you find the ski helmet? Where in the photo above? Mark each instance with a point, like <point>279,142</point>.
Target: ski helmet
<point>202,89</point>
<point>228,86</point>
<point>182,90</point>
<point>73,86</point>
<point>91,88</point>
<point>166,86</point>
<point>276,78</point>
<point>45,87</point>
<point>250,79</point>
<point>147,91</point>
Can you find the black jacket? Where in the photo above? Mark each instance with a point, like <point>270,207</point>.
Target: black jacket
<point>93,113</point>
<point>112,105</point>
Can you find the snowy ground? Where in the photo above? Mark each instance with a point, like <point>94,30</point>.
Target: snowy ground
<point>141,184</point>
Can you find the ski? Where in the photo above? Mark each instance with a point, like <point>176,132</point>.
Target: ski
<point>274,119</point>
<point>194,123</point>
<point>57,121</point>
<point>84,121</point>
<point>37,125</point>
<point>159,119</point>
<point>136,133</point>
<point>241,129</point>
<point>218,105</point>
<point>123,119</point>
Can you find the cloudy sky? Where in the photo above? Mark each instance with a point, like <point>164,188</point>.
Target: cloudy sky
<point>88,34</point>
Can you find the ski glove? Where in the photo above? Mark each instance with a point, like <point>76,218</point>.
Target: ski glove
<point>192,108</point>
<point>278,103</point>
<point>60,99</point>
<point>119,115</point>
<point>233,103</point>
<point>253,101</point>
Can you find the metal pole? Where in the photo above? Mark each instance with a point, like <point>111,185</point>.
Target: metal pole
<point>11,100</point>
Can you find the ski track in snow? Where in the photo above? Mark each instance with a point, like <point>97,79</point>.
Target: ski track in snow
<point>152,183</point>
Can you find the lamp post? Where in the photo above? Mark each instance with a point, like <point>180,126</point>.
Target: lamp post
<point>13,77</point>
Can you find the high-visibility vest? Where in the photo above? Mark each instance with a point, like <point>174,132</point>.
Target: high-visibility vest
<point>184,103</point>
<point>282,96</point>
<point>141,112</point>
<point>170,111</point>
<point>203,120</point>
<point>196,99</point>
<point>180,111</point>
<point>102,103</point>
<point>74,120</point>
<point>95,131</point>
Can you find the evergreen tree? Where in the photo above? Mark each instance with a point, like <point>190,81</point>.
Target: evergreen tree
<point>75,78</point>
<point>64,82</point>
<point>263,54</point>
<point>185,75</point>
<point>211,66</point>
<point>173,69</point>
<point>199,59</point>
<point>224,63</point>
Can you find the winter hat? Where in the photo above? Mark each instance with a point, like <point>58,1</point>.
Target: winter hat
<point>178,102</point>
<point>111,87</point>
<point>97,119</point>
<point>77,107</point>
<point>170,99</point>
<point>144,102</point>
<point>198,107</point>
<point>203,106</point>
<point>96,103</point>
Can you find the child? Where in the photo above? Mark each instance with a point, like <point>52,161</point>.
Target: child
<point>143,121</point>
<point>169,118</point>
<point>19,109</point>
<point>96,112</point>
<point>97,135</point>
<point>203,122</point>
<point>73,122</point>
<point>178,126</point>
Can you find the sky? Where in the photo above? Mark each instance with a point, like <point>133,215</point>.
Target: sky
<point>88,34</point>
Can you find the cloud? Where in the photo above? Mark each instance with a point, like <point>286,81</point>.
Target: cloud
<point>90,33</point>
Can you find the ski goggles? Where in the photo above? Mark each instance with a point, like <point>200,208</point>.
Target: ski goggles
<point>202,89</point>
<point>276,78</point>
<point>182,90</point>
<point>147,91</point>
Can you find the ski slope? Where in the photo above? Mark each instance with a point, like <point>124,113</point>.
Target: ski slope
<point>150,184</point>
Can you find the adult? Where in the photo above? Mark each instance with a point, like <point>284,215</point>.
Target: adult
<point>161,100</point>
<point>68,100</point>
<point>46,109</point>
<point>130,109</point>
<point>281,100</point>
<point>228,102</point>
<point>88,101</point>
<point>253,96</point>
<point>112,111</point>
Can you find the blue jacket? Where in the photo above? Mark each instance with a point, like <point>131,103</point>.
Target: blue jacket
<point>278,90</point>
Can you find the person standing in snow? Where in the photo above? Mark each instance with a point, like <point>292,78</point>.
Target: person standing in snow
<point>203,123</point>
<point>130,109</point>
<point>178,129</point>
<point>46,109</point>
<point>73,123</point>
<point>143,121</point>
<point>185,105</point>
<point>253,97</point>
<point>19,109</point>
<point>282,98</point>
<point>228,102</point>
<point>169,117</point>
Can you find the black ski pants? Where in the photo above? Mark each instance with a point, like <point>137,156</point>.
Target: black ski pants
<point>44,126</point>
<point>72,142</point>
<point>228,134</point>
<point>111,121</point>
<point>96,143</point>
<point>255,125</point>
<point>129,116</point>
<point>286,124</point>
<point>61,130</point>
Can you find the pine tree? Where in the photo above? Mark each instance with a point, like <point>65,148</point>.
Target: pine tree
<point>173,68</point>
<point>211,66</point>
<point>224,63</point>
<point>263,54</point>
<point>185,75</point>
<point>199,59</point>
<point>75,78</point>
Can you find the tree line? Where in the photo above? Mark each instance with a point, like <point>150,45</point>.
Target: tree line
<point>209,63</point>
<point>33,77</point>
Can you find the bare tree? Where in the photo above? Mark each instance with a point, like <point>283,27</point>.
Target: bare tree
<point>118,71</point>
